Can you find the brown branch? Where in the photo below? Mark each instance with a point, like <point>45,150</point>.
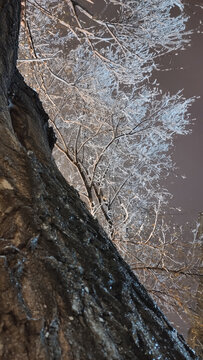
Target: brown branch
<point>157,268</point>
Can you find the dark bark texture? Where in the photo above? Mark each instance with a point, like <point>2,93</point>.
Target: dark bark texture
<point>65,292</point>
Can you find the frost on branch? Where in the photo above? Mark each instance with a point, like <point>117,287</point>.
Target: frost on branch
<point>115,127</point>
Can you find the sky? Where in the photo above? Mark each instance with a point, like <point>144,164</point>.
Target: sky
<point>187,73</point>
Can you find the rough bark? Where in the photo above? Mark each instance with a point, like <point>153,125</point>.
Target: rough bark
<point>65,291</point>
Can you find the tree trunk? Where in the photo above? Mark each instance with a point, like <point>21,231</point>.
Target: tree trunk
<point>65,291</point>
